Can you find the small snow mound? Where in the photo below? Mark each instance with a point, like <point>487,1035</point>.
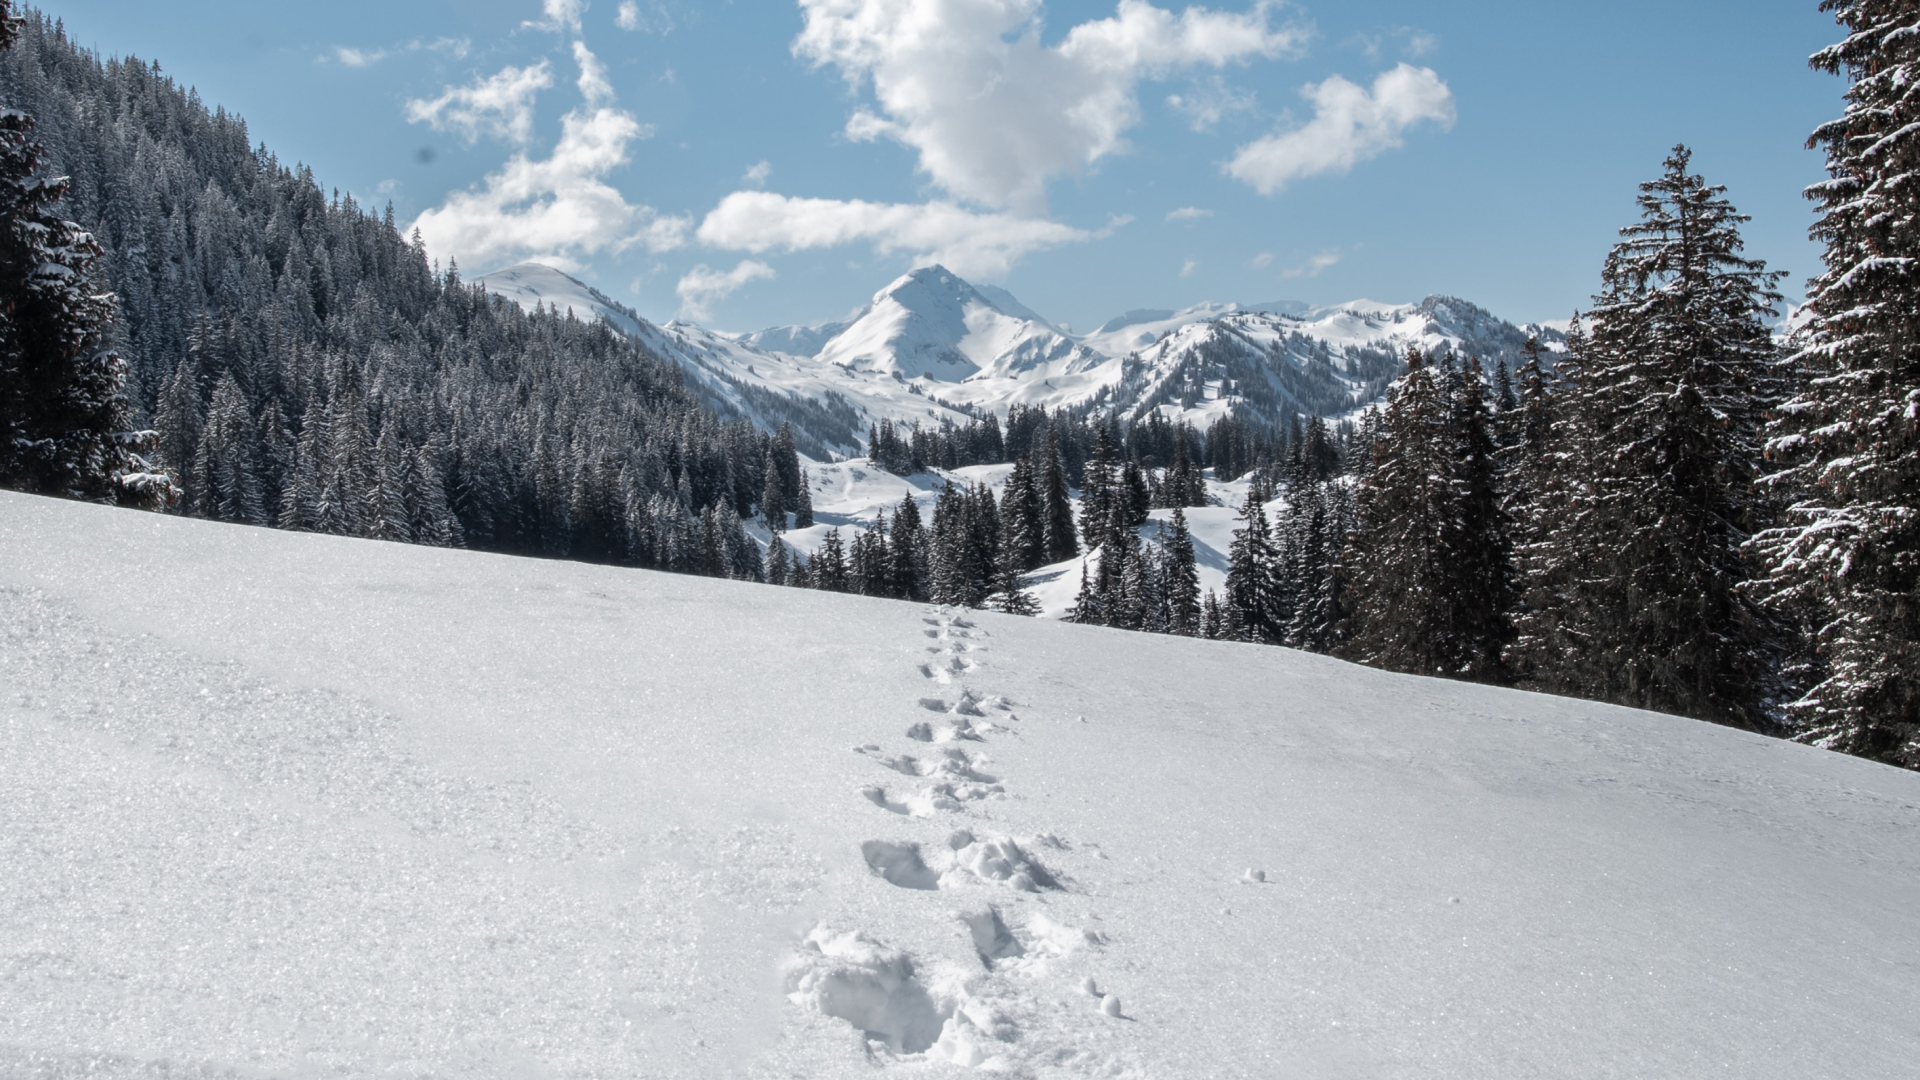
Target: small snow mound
<point>1110,1005</point>
<point>854,978</point>
<point>998,860</point>
<point>1254,877</point>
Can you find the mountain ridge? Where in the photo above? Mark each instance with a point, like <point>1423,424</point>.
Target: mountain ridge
<point>931,347</point>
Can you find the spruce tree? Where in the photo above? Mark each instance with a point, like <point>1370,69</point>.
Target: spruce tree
<point>1401,597</point>
<point>803,502</point>
<point>1057,505</point>
<point>1249,603</point>
<point>773,499</point>
<point>1650,545</point>
<point>1846,556</point>
<point>827,570</point>
<point>64,414</point>
<point>1182,577</point>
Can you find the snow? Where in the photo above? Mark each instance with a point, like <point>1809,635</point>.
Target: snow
<point>931,346</point>
<point>288,805</point>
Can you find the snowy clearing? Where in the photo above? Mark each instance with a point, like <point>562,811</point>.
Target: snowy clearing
<point>291,805</point>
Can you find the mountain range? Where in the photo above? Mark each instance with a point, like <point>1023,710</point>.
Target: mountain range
<point>933,347</point>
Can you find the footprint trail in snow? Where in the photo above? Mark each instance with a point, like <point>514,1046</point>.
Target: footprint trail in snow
<point>1007,1007</point>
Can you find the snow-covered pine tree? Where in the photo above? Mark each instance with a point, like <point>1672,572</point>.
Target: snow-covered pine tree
<point>226,465</point>
<point>779,563</point>
<point>1098,490</point>
<point>1651,541</point>
<point>827,570</point>
<point>1400,603</point>
<point>1482,566</point>
<point>1056,505</point>
<point>909,550</point>
<point>803,501</point>
<point>1249,603</point>
<point>64,414</point>
<point>1846,447</point>
<point>1182,577</point>
<point>773,499</point>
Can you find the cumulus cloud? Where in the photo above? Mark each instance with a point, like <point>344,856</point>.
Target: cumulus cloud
<point>560,15</point>
<point>992,112</point>
<point>702,287</point>
<point>969,243</point>
<point>593,76</point>
<point>560,208</point>
<point>1188,213</point>
<point>627,17</point>
<point>1313,267</point>
<point>1350,124</point>
<point>500,105</point>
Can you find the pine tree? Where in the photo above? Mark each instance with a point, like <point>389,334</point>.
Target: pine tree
<point>779,563</point>
<point>1183,577</point>
<point>1098,491</point>
<point>1057,505</point>
<point>1482,568</point>
<point>773,505</point>
<point>908,574</point>
<point>803,502</point>
<point>226,465</point>
<point>1401,606</point>
<point>1213,618</point>
<point>387,506</point>
<point>1249,601</point>
<point>1010,585</point>
<point>64,414</point>
<point>1846,556</point>
<point>828,567</point>
<point>1650,542</point>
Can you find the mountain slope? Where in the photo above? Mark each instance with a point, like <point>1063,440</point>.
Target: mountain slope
<point>299,804</point>
<point>931,347</point>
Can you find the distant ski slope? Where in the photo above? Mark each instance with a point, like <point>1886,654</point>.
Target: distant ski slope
<point>290,805</point>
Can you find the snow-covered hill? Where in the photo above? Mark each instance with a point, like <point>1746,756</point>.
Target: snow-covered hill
<point>931,346</point>
<point>289,805</point>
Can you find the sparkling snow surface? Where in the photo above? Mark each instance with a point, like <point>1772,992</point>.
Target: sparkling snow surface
<point>288,805</point>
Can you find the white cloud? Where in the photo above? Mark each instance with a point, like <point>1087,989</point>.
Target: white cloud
<point>994,113</point>
<point>1350,125</point>
<point>359,58</point>
<point>593,76</point>
<point>1188,213</point>
<point>1313,268</point>
<point>560,15</point>
<point>500,105</point>
<point>560,208</point>
<point>758,173</point>
<point>702,287</point>
<point>628,16</point>
<point>1209,102</point>
<point>1262,260</point>
<point>1187,268</point>
<point>967,242</point>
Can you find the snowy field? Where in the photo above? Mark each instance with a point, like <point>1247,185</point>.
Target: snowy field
<point>287,805</point>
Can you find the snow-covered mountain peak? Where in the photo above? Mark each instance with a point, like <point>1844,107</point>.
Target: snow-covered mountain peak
<point>532,284</point>
<point>931,324</point>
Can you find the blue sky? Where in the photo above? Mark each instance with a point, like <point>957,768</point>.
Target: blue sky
<point>763,162</point>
